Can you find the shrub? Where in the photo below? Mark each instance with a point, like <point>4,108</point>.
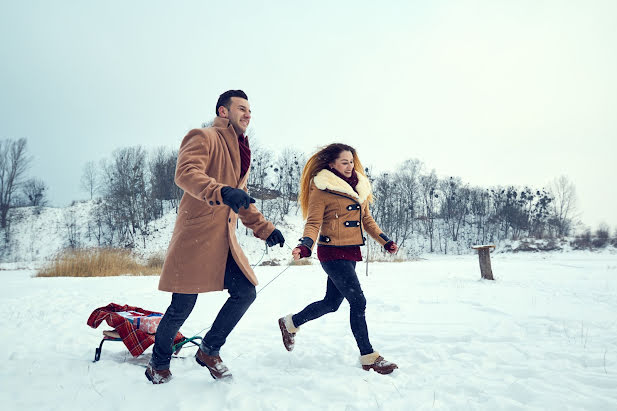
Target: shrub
<point>582,241</point>
<point>602,236</point>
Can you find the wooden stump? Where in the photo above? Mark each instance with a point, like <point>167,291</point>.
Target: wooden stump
<point>484,255</point>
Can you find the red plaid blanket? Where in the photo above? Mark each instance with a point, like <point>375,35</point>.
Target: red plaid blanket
<point>136,340</point>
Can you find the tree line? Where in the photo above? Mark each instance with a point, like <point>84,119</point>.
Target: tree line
<point>449,213</point>
<point>135,187</point>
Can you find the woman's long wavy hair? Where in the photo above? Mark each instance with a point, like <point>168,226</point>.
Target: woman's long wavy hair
<point>319,161</point>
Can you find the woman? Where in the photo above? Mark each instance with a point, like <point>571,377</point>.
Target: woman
<point>334,196</point>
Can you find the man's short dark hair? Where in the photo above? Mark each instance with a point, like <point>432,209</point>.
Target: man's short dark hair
<point>225,99</point>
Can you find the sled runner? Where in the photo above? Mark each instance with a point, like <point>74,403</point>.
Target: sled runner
<point>134,326</point>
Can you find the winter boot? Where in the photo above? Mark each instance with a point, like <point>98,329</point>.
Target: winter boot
<point>157,376</point>
<point>216,366</point>
<point>376,362</point>
<point>288,331</point>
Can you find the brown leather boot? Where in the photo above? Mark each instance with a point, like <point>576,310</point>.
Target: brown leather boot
<point>157,376</point>
<point>288,331</point>
<point>216,366</point>
<point>377,363</point>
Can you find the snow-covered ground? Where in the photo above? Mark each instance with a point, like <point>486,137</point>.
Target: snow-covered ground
<point>542,336</point>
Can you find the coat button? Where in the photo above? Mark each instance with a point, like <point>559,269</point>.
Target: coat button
<point>218,202</point>
<point>211,202</point>
<point>230,220</point>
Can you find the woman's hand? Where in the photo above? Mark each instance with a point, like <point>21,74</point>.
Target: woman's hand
<point>295,253</point>
<point>391,247</point>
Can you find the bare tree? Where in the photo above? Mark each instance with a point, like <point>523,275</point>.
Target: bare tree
<point>90,178</point>
<point>383,210</point>
<point>287,177</point>
<point>428,187</point>
<point>162,167</point>
<point>126,202</point>
<point>408,175</point>
<point>261,160</point>
<point>564,204</point>
<point>539,214</point>
<point>72,228</point>
<point>480,209</point>
<point>14,162</point>
<point>34,192</point>
<point>259,184</point>
<point>454,205</point>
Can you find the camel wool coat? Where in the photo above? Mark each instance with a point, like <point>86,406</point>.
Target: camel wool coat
<point>338,215</point>
<point>205,229</point>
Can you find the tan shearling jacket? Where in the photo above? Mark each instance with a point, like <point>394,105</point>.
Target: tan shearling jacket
<point>338,215</point>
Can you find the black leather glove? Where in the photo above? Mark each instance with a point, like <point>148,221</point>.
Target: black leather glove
<point>236,198</point>
<point>275,238</point>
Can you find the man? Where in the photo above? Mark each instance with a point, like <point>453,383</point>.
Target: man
<point>204,254</point>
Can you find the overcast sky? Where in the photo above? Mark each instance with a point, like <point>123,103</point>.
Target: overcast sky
<point>495,92</point>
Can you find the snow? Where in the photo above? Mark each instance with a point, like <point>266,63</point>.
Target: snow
<point>541,336</point>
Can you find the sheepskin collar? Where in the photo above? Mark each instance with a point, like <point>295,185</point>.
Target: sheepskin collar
<point>327,180</point>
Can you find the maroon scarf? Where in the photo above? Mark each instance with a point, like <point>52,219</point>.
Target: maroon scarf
<point>245,154</point>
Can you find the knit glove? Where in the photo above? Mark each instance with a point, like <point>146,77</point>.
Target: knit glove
<point>390,247</point>
<point>304,251</point>
<point>236,198</point>
<point>305,247</point>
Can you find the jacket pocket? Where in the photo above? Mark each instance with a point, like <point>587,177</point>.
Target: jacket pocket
<point>199,219</point>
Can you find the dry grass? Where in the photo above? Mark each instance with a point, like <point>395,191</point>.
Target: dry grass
<point>99,262</point>
<point>270,263</point>
<point>388,259</point>
<point>302,261</point>
<point>156,261</point>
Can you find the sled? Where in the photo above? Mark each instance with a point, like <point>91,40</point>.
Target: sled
<point>133,326</point>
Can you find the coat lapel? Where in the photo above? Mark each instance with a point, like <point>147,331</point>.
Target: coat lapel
<point>226,130</point>
<point>245,178</point>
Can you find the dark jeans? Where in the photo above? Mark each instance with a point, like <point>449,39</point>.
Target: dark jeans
<point>342,283</point>
<point>241,296</point>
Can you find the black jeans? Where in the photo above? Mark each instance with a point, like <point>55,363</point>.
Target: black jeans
<point>342,283</point>
<point>241,296</point>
